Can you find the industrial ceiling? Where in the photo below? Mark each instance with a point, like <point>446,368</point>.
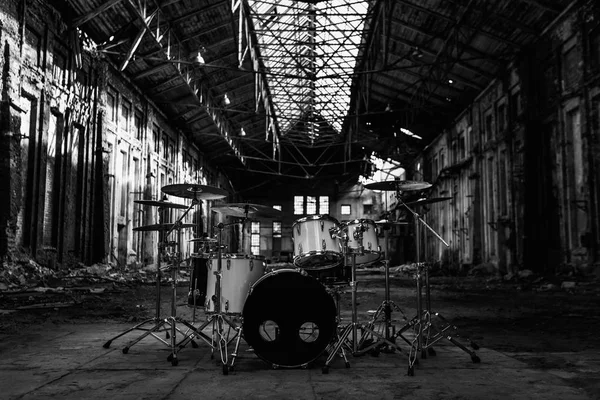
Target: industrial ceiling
<point>304,92</point>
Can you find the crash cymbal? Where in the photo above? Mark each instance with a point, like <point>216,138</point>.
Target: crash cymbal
<point>160,204</point>
<point>423,201</point>
<point>398,185</point>
<point>160,227</point>
<point>191,191</point>
<point>247,210</point>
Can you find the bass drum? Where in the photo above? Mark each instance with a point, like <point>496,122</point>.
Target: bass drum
<point>289,319</point>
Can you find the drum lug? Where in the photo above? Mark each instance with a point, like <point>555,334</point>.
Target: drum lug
<point>251,265</point>
<point>300,248</point>
<point>228,264</point>
<point>369,245</point>
<point>298,229</point>
<point>226,305</point>
<point>209,264</point>
<point>324,244</point>
<point>322,225</point>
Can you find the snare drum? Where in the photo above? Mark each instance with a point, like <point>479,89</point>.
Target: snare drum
<point>370,242</point>
<point>314,244</point>
<point>238,274</point>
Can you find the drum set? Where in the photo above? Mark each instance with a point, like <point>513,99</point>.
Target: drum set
<point>289,316</point>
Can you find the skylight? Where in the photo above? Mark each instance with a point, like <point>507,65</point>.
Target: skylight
<point>309,50</point>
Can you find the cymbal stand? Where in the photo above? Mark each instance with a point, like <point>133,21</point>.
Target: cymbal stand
<point>422,322</point>
<point>159,323</point>
<point>352,328</point>
<point>440,333</point>
<point>385,310</point>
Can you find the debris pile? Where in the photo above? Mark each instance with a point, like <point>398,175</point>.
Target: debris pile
<point>25,275</point>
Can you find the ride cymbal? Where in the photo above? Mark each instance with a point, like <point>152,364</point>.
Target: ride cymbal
<point>160,227</point>
<point>398,185</point>
<point>247,210</point>
<point>158,203</point>
<point>193,191</point>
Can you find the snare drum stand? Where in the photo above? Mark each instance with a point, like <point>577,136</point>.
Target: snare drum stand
<point>353,327</point>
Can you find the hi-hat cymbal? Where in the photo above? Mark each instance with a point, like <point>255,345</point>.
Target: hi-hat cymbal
<point>422,201</point>
<point>247,210</point>
<point>160,227</point>
<point>398,185</point>
<point>390,222</point>
<point>193,191</point>
<point>204,240</point>
<point>160,204</point>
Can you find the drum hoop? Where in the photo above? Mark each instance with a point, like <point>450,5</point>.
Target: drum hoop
<point>317,217</point>
<point>262,278</point>
<point>239,256</point>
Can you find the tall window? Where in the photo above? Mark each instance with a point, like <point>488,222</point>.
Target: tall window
<point>138,125</point>
<point>59,65</point>
<point>461,146</point>
<point>125,114</point>
<point>255,238</point>
<point>311,205</point>
<point>488,134</point>
<point>276,229</point>
<point>345,209</point>
<point>501,117</point>
<point>165,147</point>
<point>32,47</point>
<point>156,138</point>
<point>298,205</point>
<point>111,104</point>
<point>502,184</point>
<point>323,205</point>
<point>172,152</point>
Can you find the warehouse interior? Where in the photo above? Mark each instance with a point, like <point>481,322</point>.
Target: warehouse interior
<point>158,143</point>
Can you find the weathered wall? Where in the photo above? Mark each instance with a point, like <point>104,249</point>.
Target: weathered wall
<point>79,144</point>
<point>525,181</point>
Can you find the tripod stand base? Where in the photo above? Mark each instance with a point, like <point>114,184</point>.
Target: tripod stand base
<point>158,323</point>
<point>441,334</point>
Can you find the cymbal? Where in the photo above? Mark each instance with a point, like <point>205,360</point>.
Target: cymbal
<point>389,222</point>
<point>422,201</point>
<point>160,204</point>
<point>191,191</point>
<point>203,240</point>
<point>247,210</point>
<point>398,185</point>
<point>160,227</point>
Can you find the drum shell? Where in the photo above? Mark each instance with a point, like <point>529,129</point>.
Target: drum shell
<point>198,277</point>
<point>315,247</point>
<point>289,298</point>
<point>370,241</point>
<point>238,273</point>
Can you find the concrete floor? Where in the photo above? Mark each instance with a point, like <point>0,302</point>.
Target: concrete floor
<point>68,361</point>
